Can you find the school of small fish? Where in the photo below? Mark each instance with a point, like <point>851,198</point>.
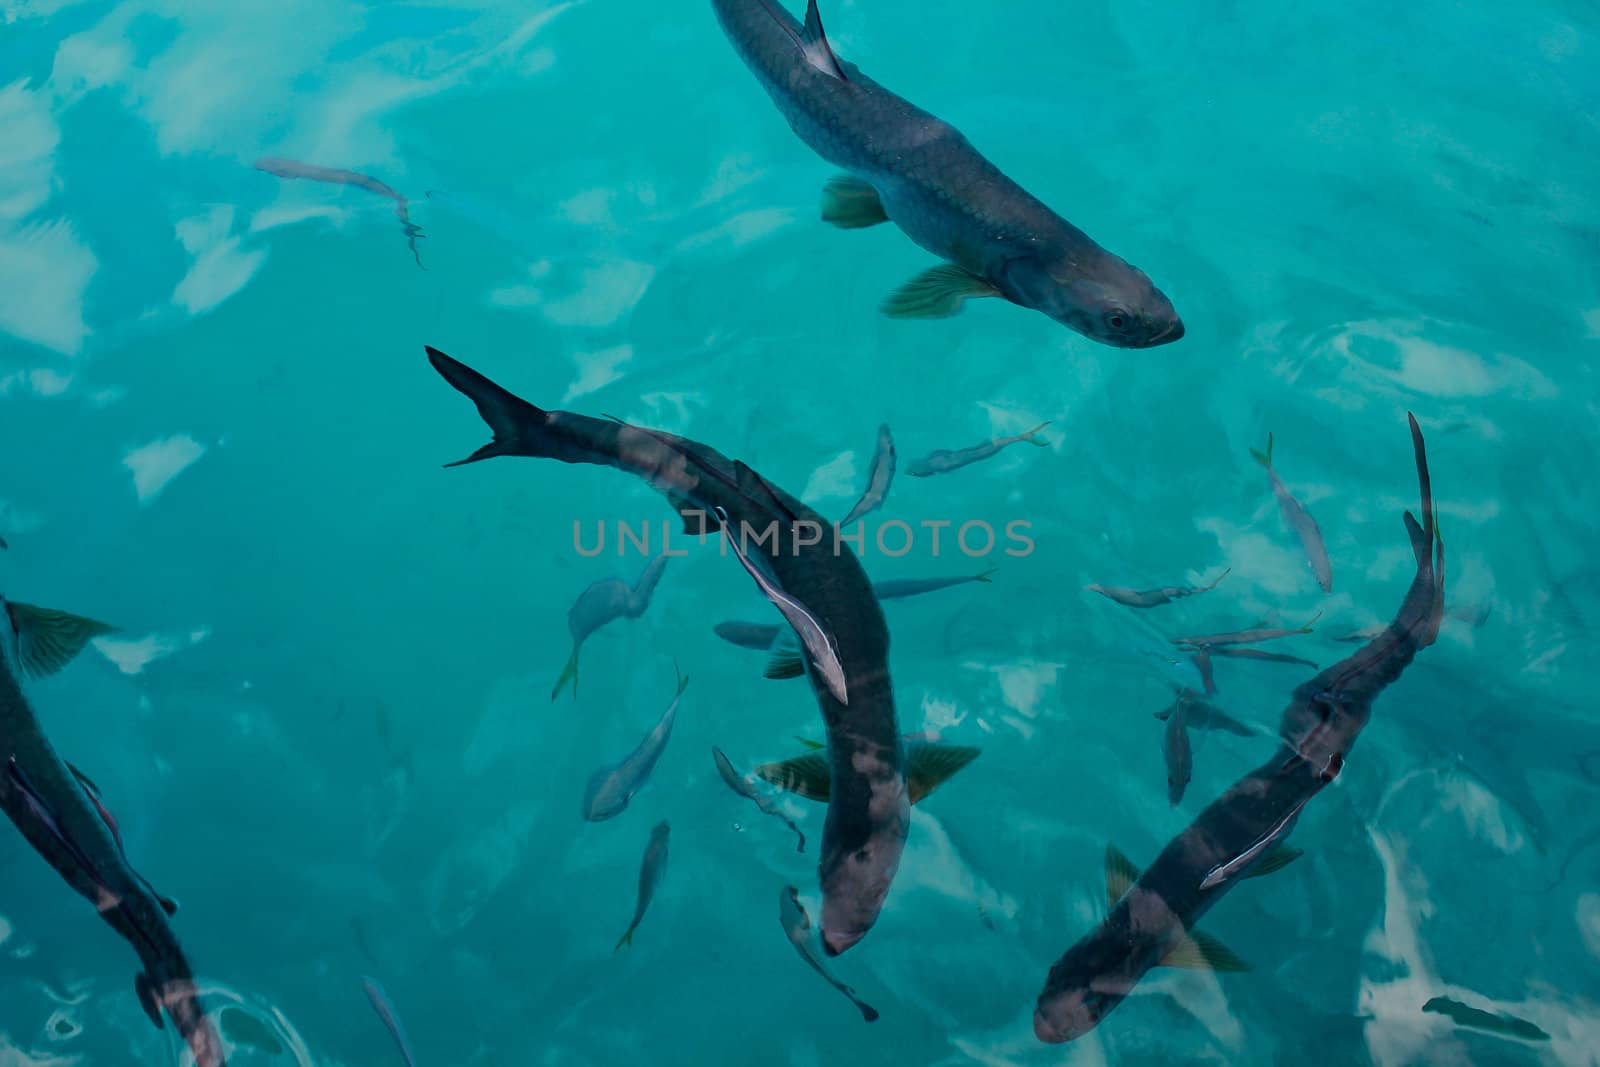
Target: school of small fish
<point>902,166</point>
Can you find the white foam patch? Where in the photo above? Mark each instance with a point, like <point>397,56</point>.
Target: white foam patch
<point>221,266</point>
<point>27,152</point>
<point>1023,686</point>
<point>1398,352</point>
<point>1591,322</point>
<point>598,369</point>
<point>132,657</point>
<point>1483,812</point>
<point>88,61</point>
<point>835,478</point>
<point>940,715</point>
<point>607,293</point>
<point>44,271</point>
<point>288,214</point>
<point>742,229</point>
<point>155,465</point>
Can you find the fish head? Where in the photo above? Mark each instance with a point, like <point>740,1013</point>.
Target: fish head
<point>1108,300</point>
<point>1084,986</point>
<point>856,880</point>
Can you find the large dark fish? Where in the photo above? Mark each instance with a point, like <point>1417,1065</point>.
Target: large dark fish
<point>1153,914</point>
<point>944,460</point>
<point>1299,520</point>
<point>869,815</point>
<point>1152,598</point>
<point>611,788</point>
<point>651,868</point>
<point>61,814</point>
<point>293,168</point>
<point>797,928</point>
<point>604,602</point>
<point>907,166</point>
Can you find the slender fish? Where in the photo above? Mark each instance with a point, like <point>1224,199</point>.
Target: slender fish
<point>877,480</point>
<point>944,461</point>
<point>62,816</point>
<point>797,927</point>
<point>604,602</point>
<point>1153,914</point>
<point>651,868</point>
<point>746,787</point>
<point>1212,642</point>
<point>1256,653</point>
<point>896,588</point>
<point>906,166</point>
<point>291,168</point>
<point>1175,749</point>
<point>1152,598</point>
<point>391,1019</point>
<point>1300,521</point>
<point>610,788</point>
<point>1478,1019</point>
<point>868,818</point>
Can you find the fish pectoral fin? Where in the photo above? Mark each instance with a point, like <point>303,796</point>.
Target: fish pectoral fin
<point>930,764</point>
<point>145,990</point>
<point>47,640</point>
<point>1275,860</point>
<point>936,293</point>
<point>568,673</point>
<point>1196,951</point>
<point>819,53</point>
<point>807,776</point>
<point>1120,875</point>
<point>785,663</point>
<point>814,746</point>
<point>851,204</point>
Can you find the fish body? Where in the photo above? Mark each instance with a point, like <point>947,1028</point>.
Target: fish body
<point>379,999</point>
<point>1179,755</point>
<point>797,928</point>
<point>1212,642</point>
<point>906,166</point>
<point>62,817</point>
<point>293,168</point>
<point>1153,914</point>
<point>604,602</point>
<point>898,588</point>
<point>943,461</point>
<point>611,788</point>
<point>651,868</point>
<point>1298,519</point>
<point>878,479</point>
<point>745,787</point>
<point>1152,598</point>
<point>869,815</point>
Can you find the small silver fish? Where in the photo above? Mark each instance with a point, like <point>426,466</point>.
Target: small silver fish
<point>391,1019</point>
<point>651,868</point>
<point>1300,521</point>
<point>1152,598</point>
<point>604,602</point>
<point>797,927</point>
<point>610,788</point>
<point>878,479</point>
<point>746,787</point>
<point>1212,642</point>
<point>944,461</point>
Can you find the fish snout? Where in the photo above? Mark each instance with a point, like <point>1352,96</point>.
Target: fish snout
<point>1173,331</point>
<point>834,942</point>
<point>1064,1020</point>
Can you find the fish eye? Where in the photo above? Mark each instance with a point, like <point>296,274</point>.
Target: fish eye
<point>1117,319</point>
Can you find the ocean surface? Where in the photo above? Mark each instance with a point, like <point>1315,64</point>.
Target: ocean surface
<point>325,723</point>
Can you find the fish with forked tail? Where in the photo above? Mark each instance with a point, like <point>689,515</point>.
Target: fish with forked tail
<point>944,460</point>
<point>878,479</point>
<point>745,787</point>
<point>1298,519</point>
<point>62,816</point>
<point>651,868</point>
<point>611,788</point>
<point>868,816</point>
<point>293,168</point>
<point>907,167</point>
<point>1153,914</point>
<point>604,602</point>
<point>1152,598</point>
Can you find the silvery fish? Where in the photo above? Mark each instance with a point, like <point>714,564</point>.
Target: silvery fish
<point>878,479</point>
<point>944,461</point>
<point>610,788</point>
<point>604,602</point>
<point>651,868</point>
<point>1152,598</point>
<point>1300,521</point>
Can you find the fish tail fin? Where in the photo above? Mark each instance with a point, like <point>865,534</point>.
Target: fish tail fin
<point>1423,534</point>
<point>625,941</point>
<point>569,673</point>
<point>518,426</point>
<point>984,576</point>
<point>1032,436</point>
<point>683,679</point>
<point>1309,623</point>
<point>1264,458</point>
<point>815,43</point>
<point>1217,581</point>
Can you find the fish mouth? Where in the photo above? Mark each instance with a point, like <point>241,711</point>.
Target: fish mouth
<point>1167,336</point>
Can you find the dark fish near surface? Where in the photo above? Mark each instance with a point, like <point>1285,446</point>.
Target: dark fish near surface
<point>391,1018</point>
<point>797,927</point>
<point>604,602</point>
<point>1175,749</point>
<point>1201,715</point>
<point>929,764</point>
<point>1478,1019</point>
<point>869,813</point>
<point>651,868</point>
<point>1153,914</point>
<point>1300,521</point>
<point>1152,598</point>
<point>610,788</point>
<point>943,461</point>
<point>1212,642</point>
<point>746,788</point>
<point>908,167</point>
<point>878,479</point>
<point>61,815</point>
<point>292,168</point>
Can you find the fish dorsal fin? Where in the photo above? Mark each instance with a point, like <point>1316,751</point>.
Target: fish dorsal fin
<point>819,53</point>
<point>1275,860</point>
<point>1120,875</point>
<point>785,663</point>
<point>930,764</point>
<point>47,640</point>
<point>1196,951</point>
<point>807,776</point>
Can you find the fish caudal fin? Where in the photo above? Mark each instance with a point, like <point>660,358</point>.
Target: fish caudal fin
<point>819,53</point>
<point>1032,436</point>
<point>516,424</point>
<point>808,776</point>
<point>625,941</point>
<point>683,679</point>
<point>984,576</point>
<point>930,764</point>
<point>936,293</point>
<point>785,663</point>
<point>1196,951</point>
<point>1264,458</point>
<point>851,204</point>
<point>48,640</point>
<point>568,673</point>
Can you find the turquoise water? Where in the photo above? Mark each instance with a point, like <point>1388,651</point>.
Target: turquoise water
<point>325,725</point>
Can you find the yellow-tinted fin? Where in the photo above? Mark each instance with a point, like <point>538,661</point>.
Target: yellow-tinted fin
<point>815,746</point>
<point>807,776</point>
<point>785,663</point>
<point>1275,860</point>
<point>930,764</point>
<point>936,293</point>
<point>851,204</point>
<point>1196,951</point>
<point>1120,875</point>
<point>47,640</point>
<point>569,672</point>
